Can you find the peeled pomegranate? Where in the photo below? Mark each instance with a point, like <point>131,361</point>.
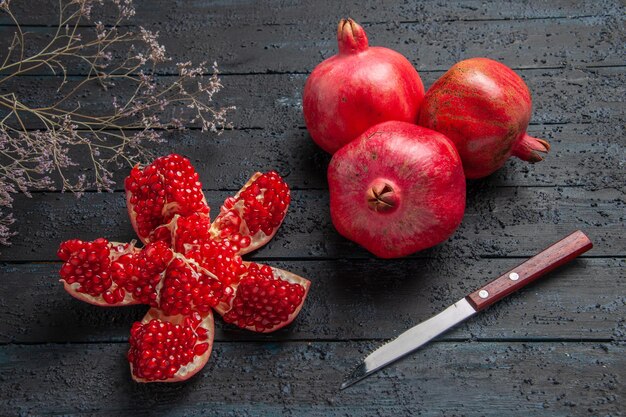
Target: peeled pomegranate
<point>397,189</point>
<point>358,88</point>
<point>484,108</point>
<point>188,267</point>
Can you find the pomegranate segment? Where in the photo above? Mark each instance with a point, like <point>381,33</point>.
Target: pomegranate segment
<point>251,218</point>
<point>265,299</point>
<point>183,232</point>
<point>170,348</point>
<point>149,268</point>
<point>97,272</point>
<point>397,189</point>
<point>154,194</point>
<point>189,288</point>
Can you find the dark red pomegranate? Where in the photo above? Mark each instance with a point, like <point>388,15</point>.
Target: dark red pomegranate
<point>358,88</point>
<point>484,108</point>
<point>397,189</point>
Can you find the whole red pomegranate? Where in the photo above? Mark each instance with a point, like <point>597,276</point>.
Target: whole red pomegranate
<point>484,108</point>
<point>396,189</point>
<point>358,88</point>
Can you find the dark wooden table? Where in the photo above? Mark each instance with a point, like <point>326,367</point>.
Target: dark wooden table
<point>556,348</point>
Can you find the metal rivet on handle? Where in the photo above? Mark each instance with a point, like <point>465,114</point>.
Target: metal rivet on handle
<point>483,294</point>
<point>514,276</point>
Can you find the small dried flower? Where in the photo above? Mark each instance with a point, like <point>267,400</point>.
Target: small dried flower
<point>101,32</point>
<point>156,51</point>
<point>6,220</point>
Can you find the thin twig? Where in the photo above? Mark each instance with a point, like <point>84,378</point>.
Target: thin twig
<point>113,135</point>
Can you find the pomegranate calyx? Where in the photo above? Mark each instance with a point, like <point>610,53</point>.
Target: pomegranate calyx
<point>351,37</point>
<point>527,148</point>
<point>382,197</point>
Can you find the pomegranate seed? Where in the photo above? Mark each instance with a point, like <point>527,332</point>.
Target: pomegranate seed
<point>199,350</point>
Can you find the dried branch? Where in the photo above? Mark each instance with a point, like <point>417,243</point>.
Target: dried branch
<point>43,159</point>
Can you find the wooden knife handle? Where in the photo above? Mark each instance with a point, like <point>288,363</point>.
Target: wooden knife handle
<point>556,255</point>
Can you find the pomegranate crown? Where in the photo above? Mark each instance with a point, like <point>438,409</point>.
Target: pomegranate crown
<point>351,37</point>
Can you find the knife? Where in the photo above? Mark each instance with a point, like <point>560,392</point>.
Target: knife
<point>554,256</point>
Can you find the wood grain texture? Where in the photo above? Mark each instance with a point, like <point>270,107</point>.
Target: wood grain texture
<point>295,379</point>
<point>294,13</point>
<point>354,300</point>
<point>559,96</point>
<point>499,221</point>
<point>580,155</point>
<point>428,44</point>
<point>555,348</point>
<point>556,255</point>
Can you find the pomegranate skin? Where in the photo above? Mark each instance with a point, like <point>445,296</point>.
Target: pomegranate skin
<point>484,107</point>
<point>397,189</point>
<point>358,88</point>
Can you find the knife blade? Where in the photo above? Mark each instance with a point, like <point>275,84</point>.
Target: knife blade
<point>550,258</point>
